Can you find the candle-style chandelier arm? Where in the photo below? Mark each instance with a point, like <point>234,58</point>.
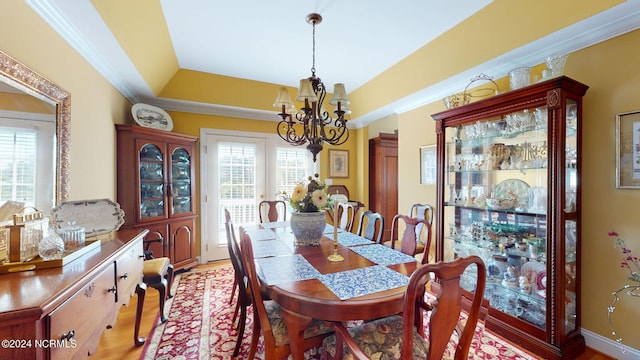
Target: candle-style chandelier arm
<point>337,135</point>
<point>287,132</point>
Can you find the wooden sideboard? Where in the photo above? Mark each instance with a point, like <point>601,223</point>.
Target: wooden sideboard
<point>60,313</point>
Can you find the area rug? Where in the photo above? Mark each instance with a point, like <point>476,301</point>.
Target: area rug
<point>200,327</point>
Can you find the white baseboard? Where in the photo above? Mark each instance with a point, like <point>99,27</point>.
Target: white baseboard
<point>609,347</point>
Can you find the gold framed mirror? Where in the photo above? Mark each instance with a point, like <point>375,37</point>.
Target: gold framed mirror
<point>19,76</point>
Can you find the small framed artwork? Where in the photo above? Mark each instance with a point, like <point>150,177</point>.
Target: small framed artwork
<point>628,150</point>
<point>338,163</point>
<point>428,164</point>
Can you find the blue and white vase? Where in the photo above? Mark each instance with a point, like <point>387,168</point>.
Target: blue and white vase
<point>308,227</point>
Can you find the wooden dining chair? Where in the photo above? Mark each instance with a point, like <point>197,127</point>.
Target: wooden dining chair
<point>371,226</point>
<point>403,336</point>
<point>412,242</point>
<point>346,216</point>
<point>267,317</point>
<point>244,296</point>
<point>234,287</point>
<point>422,211</point>
<point>272,211</point>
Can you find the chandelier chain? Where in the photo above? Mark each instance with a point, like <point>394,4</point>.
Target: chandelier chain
<point>313,63</point>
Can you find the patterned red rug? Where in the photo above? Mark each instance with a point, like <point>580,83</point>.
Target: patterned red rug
<point>199,325</point>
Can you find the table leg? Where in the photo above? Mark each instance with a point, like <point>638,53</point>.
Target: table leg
<point>296,325</point>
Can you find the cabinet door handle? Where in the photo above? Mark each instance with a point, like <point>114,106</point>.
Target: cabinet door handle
<point>125,276</point>
<point>68,335</point>
<point>113,289</point>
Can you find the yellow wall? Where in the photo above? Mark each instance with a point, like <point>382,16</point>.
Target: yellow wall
<point>95,103</point>
<point>25,103</point>
<point>611,71</point>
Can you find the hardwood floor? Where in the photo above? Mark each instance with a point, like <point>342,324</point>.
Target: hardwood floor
<point>117,343</point>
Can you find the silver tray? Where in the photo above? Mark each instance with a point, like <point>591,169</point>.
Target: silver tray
<point>97,217</point>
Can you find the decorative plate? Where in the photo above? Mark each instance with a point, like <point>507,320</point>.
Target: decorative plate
<point>97,217</point>
<point>151,117</point>
<point>507,188</point>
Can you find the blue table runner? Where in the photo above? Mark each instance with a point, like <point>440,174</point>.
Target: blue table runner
<point>382,255</point>
<point>350,239</point>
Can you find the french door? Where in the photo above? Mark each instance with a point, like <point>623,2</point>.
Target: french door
<point>238,170</point>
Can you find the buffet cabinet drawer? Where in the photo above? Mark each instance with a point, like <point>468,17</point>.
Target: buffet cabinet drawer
<point>72,325</point>
<point>128,272</point>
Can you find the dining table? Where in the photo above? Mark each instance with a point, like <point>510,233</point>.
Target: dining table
<point>368,283</point>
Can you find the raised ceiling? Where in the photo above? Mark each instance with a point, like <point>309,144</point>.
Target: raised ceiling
<point>202,55</point>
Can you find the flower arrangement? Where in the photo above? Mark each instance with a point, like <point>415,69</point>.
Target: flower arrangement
<point>311,197</point>
<point>632,264</point>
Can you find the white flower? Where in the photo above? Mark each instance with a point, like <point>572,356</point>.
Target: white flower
<point>319,199</point>
<point>299,192</point>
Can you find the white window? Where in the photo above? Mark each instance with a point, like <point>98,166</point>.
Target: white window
<point>18,164</point>
<point>27,160</point>
<point>292,167</point>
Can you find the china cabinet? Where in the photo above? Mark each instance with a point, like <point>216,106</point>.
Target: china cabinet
<point>156,190</point>
<point>508,190</point>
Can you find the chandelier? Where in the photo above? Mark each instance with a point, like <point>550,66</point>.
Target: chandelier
<point>313,117</point>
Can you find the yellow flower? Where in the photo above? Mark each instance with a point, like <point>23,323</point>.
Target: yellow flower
<point>299,192</point>
<point>319,199</point>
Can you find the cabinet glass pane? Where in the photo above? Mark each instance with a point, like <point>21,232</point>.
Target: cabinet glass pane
<point>151,181</point>
<point>571,157</point>
<point>571,206</point>
<point>495,208</point>
<point>570,276</point>
<point>180,182</point>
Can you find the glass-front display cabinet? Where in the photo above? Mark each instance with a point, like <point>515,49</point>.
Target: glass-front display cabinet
<point>508,190</point>
<point>156,187</point>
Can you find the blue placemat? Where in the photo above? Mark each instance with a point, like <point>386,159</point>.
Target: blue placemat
<point>350,239</point>
<point>363,281</point>
<point>275,224</point>
<point>382,255</point>
<point>281,269</point>
<point>267,248</point>
<point>329,230</point>
<point>258,234</point>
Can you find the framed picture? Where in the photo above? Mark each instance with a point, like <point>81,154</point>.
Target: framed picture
<point>428,164</point>
<point>628,150</point>
<point>338,163</point>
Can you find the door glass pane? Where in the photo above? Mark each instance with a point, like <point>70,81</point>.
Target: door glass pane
<point>237,179</point>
